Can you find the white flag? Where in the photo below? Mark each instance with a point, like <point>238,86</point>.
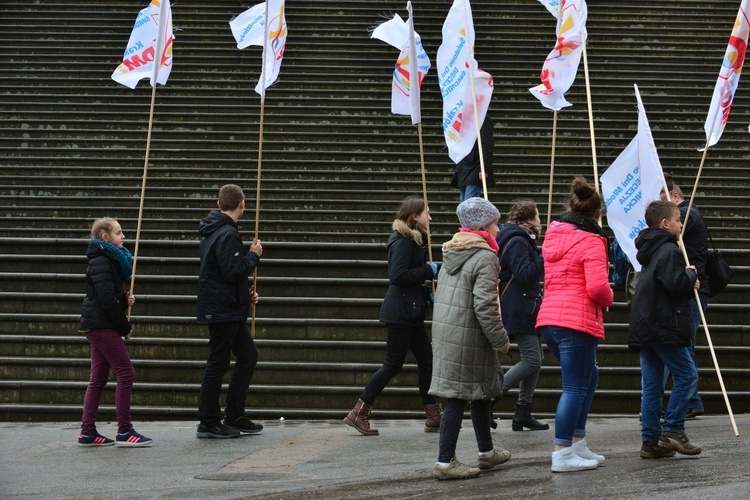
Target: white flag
<point>249,28</point>
<point>151,35</point>
<point>561,66</point>
<point>412,60</point>
<point>634,180</point>
<point>729,77</point>
<point>455,58</point>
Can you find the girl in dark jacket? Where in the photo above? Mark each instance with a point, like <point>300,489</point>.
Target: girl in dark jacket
<point>521,268</point>
<point>403,311</point>
<point>105,323</point>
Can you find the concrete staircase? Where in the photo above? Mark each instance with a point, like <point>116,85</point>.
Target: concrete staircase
<point>335,165</point>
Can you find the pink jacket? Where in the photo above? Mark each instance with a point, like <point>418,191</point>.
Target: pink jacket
<point>576,280</point>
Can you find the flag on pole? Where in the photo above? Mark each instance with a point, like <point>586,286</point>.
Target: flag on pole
<point>151,35</point>
<point>729,77</point>
<point>561,66</point>
<point>412,60</point>
<point>634,180</point>
<point>249,28</point>
<point>455,58</point>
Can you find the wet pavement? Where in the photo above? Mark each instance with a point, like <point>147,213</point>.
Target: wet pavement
<point>329,460</point>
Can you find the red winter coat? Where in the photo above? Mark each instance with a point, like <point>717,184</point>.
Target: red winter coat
<point>576,280</point>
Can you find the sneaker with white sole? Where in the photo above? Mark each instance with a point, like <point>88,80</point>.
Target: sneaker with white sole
<point>486,462</point>
<point>566,460</point>
<point>132,439</point>
<point>582,450</point>
<point>455,470</point>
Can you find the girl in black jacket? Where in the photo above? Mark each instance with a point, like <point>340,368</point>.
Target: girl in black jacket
<point>521,268</point>
<point>105,323</point>
<point>403,311</point>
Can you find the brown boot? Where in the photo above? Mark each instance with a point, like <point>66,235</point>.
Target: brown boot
<point>434,413</point>
<point>359,419</point>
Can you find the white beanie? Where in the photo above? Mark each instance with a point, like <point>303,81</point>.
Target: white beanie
<point>477,213</point>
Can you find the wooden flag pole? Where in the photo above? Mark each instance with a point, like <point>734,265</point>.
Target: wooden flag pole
<point>591,118</point>
<point>424,189</point>
<point>698,303</point>
<point>143,191</point>
<point>260,163</point>
<point>697,297</point>
<point>163,28</point>
<point>552,168</point>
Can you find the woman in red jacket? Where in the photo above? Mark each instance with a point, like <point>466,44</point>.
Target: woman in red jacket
<point>576,290</point>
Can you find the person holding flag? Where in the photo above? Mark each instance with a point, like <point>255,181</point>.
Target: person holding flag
<point>466,90</point>
<point>469,177</point>
<point>661,331</point>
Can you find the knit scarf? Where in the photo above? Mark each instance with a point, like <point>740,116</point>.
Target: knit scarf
<point>484,234</point>
<point>123,256</point>
<point>583,223</point>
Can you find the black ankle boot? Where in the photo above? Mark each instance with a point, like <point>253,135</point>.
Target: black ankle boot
<point>523,418</point>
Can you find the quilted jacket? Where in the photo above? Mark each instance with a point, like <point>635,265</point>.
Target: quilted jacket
<point>576,280</point>
<point>467,326</point>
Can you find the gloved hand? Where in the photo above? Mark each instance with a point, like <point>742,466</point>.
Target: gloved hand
<point>431,298</point>
<point>434,268</point>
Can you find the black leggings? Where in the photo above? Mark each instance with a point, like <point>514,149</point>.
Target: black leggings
<point>401,340</point>
<point>450,426</point>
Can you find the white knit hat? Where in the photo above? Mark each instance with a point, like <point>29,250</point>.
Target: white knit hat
<point>477,213</point>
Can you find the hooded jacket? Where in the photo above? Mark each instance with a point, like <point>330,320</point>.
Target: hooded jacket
<point>104,306</point>
<point>467,327</point>
<point>576,279</point>
<point>405,301</point>
<point>521,268</point>
<point>660,314</point>
<point>223,289</point>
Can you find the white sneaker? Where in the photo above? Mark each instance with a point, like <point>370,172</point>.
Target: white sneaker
<point>567,461</point>
<point>582,450</point>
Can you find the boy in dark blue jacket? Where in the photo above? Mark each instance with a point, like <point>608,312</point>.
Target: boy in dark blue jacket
<point>660,330</point>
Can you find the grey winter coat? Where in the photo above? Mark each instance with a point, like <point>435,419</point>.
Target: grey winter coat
<point>467,327</point>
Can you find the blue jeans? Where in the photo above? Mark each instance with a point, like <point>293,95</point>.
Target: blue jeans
<point>654,359</point>
<point>470,191</point>
<point>695,402</point>
<point>401,340</point>
<point>576,353</point>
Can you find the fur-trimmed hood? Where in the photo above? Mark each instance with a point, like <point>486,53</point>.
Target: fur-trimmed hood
<point>403,228</point>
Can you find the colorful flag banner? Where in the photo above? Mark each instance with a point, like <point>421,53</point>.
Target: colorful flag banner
<point>729,77</point>
<point>561,66</point>
<point>413,60</point>
<point>634,180</point>
<point>249,28</point>
<point>455,58</point>
<point>149,36</point>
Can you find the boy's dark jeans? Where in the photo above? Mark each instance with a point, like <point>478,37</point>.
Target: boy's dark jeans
<point>226,339</point>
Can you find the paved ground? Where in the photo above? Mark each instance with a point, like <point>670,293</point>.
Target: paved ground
<point>328,460</point>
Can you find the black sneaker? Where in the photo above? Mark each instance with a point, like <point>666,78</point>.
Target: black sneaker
<point>652,450</point>
<point>243,424</point>
<point>218,431</point>
<point>678,442</point>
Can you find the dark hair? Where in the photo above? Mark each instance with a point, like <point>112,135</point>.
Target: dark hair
<point>103,225</point>
<point>657,211</point>
<point>410,206</point>
<point>522,211</point>
<point>669,181</point>
<point>584,199</point>
<point>230,197</point>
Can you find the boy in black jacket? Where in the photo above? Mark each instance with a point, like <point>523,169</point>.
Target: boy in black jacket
<point>660,329</point>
